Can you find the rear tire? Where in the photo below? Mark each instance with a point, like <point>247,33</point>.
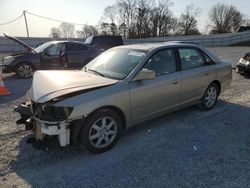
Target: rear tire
<point>210,97</point>
<point>101,131</point>
<point>24,70</point>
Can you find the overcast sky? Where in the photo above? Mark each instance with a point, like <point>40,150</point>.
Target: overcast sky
<point>85,12</point>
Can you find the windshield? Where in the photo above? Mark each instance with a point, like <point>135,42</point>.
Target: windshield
<point>42,47</point>
<point>116,63</point>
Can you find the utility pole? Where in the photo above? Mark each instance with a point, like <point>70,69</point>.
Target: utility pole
<point>26,23</point>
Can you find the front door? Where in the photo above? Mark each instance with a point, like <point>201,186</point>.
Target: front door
<point>50,58</point>
<point>150,97</point>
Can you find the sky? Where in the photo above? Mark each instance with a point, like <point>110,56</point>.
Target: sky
<point>85,12</point>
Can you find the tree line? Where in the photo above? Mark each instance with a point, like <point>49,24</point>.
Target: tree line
<point>147,18</point>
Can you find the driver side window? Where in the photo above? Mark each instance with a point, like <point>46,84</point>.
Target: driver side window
<point>162,62</point>
<point>54,50</point>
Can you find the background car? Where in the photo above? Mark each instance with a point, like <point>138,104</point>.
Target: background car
<point>104,42</point>
<point>243,66</point>
<point>50,55</point>
<point>122,87</point>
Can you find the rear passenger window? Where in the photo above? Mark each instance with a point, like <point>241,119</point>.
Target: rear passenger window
<point>190,58</point>
<point>162,62</point>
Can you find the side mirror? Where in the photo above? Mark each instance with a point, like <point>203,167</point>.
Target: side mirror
<point>145,74</point>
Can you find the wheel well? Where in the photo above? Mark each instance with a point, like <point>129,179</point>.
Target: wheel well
<point>22,62</point>
<point>218,84</point>
<point>117,110</point>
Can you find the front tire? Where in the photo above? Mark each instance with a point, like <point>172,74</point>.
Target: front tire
<point>101,131</point>
<point>24,70</point>
<point>210,97</point>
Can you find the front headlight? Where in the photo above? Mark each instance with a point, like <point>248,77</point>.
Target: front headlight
<point>7,60</point>
<point>52,113</point>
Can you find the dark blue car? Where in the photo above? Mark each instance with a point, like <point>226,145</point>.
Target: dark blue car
<point>50,55</point>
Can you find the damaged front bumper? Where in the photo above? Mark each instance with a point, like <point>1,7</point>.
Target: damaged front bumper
<point>60,129</point>
<point>42,128</point>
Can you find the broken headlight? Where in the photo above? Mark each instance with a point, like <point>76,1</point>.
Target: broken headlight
<point>7,60</point>
<point>51,113</point>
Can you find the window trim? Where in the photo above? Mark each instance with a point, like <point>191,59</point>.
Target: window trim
<point>205,54</point>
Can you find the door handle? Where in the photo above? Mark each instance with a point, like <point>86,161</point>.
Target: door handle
<point>175,82</point>
<point>207,74</point>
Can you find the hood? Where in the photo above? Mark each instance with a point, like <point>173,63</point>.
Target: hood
<point>48,85</point>
<point>20,42</point>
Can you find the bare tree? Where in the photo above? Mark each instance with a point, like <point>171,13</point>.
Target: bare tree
<point>110,14</point>
<point>225,18</point>
<point>127,10</point>
<point>142,18</point>
<point>122,29</point>
<point>139,18</point>
<point>163,17</point>
<point>113,28</point>
<point>55,32</point>
<point>80,34</point>
<point>67,30</point>
<point>188,22</point>
<point>90,30</point>
<point>86,31</point>
<point>105,28</point>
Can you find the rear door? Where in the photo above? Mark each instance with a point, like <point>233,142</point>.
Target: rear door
<point>77,54</point>
<point>150,97</point>
<point>50,58</point>
<point>196,73</point>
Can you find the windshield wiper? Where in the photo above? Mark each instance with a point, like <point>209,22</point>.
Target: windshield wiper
<point>95,71</point>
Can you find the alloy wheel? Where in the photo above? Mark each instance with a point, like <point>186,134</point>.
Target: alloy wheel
<point>211,96</point>
<point>103,132</point>
<point>25,71</point>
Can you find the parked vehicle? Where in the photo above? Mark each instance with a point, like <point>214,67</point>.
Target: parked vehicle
<point>243,66</point>
<point>104,42</point>
<point>50,55</point>
<point>120,88</point>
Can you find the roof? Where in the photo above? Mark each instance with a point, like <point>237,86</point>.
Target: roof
<point>152,46</point>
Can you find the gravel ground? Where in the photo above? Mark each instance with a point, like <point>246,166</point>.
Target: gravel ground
<point>187,148</point>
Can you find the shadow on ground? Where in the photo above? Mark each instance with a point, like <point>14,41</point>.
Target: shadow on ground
<point>18,88</point>
<point>187,148</point>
